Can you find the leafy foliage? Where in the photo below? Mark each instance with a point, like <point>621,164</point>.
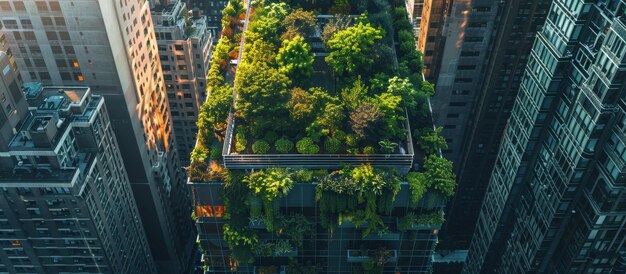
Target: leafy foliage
<point>262,95</point>
<point>418,185</point>
<point>430,140</point>
<point>307,146</point>
<point>428,219</point>
<point>350,49</point>
<point>338,23</point>
<point>366,120</point>
<point>260,147</point>
<point>332,145</point>
<point>269,185</point>
<point>295,58</point>
<point>299,23</point>
<point>283,145</point>
<point>439,174</point>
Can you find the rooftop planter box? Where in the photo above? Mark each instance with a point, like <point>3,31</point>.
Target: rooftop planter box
<point>401,160</point>
<point>361,256</point>
<point>383,237</point>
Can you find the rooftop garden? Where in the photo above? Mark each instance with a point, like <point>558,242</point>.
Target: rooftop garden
<point>309,84</point>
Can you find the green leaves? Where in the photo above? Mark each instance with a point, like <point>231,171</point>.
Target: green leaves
<point>307,146</point>
<point>351,49</point>
<point>439,174</point>
<point>295,59</point>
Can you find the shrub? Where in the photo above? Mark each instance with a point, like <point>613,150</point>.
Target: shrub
<point>260,147</point>
<point>418,185</point>
<point>352,140</point>
<point>302,176</point>
<point>271,136</point>
<point>216,152</point>
<point>283,145</point>
<point>332,145</point>
<point>307,146</point>
<point>369,150</point>
<point>241,142</point>
<point>339,135</point>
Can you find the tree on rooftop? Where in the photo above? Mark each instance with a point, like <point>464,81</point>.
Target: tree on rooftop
<point>338,23</point>
<point>262,96</point>
<point>365,120</point>
<point>295,59</point>
<point>301,106</point>
<point>351,49</point>
<point>299,22</point>
<point>353,96</point>
<point>259,51</point>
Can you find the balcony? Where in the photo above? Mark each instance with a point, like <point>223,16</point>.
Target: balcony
<point>361,256</point>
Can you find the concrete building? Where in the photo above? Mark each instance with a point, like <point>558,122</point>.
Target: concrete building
<point>184,44</point>
<point>428,18</point>
<point>469,27</point>
<point>212,9</point>
<point>499,80</point>
<point>111,46</point>
<point>556,199</point>
<point>66,205</point>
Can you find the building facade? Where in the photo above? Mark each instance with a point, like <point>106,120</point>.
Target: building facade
<point>556,199</point>
<point>212,9</point>
<point>184,44</point>
<point>469,26</point>
<point>111,46</point>
<point>500,80</point>
<point>66,205</point>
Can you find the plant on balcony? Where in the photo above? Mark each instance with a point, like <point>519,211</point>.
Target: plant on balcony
<point>296,227</point>
<point>426,219</point>
<point>439,174</point>
<point>282,247</point>
<point>240,241</point>
<point>361,192</point>
<point>430,140</point>
<point>418,186</point>
<point>269,185</point>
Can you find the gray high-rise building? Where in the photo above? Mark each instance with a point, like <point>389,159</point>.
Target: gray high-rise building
<point>556,200</point>
<point>66,204</point>
<point>111,47</point>
<point>184,44</point>
<point>493,97</point>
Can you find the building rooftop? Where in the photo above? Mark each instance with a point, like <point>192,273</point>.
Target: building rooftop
<point>53,110</point>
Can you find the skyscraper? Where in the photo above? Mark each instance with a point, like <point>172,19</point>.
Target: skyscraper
<point>66,204</point>
<point>184,44</point>
<point>111,46</point>
<point>556,199</point>
<point>498,82</point>
<point>430,17</point>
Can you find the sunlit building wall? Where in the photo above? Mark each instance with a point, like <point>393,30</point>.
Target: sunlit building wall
<point>111,46</point>
<point>184,44</point>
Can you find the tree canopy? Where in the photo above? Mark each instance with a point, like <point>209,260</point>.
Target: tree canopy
<point>351,49</point>
<point>295,58</point>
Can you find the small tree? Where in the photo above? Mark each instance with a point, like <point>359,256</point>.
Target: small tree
<point>338,23</point>
<point>295,59</point>
<point>299,22</point>
<point>430,140</point>
<point>351,49</point>
<point>365,120</point>
<point>439,174</point>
